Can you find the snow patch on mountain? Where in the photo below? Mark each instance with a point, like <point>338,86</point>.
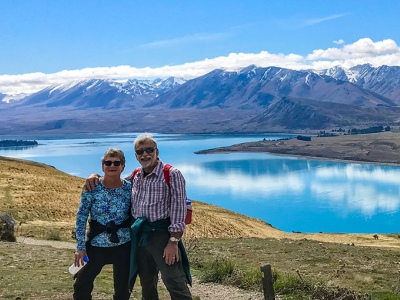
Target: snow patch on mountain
<point>12,98</point>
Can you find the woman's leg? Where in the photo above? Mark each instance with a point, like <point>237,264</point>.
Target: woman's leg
<point>121,271</point>
<point>83,285</point>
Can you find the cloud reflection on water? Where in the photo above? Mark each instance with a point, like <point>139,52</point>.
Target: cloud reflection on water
<point>364,172</point>
<point>345,188</point>
<point>240,182</point>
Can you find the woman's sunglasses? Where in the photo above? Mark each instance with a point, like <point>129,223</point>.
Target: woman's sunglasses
<point>148,150</point>
<point>109,163</point>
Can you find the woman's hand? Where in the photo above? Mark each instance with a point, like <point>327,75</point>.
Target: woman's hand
<point>79,255</point>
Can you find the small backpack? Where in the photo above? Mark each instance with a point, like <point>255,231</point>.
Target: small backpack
<point>166,170</point>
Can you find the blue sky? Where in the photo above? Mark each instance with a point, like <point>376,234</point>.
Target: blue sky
<point>47,42</point>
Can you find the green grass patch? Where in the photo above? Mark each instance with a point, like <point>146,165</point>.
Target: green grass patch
<point>298,266</point>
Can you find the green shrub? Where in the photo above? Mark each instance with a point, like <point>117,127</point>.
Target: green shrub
<point>217,271</point>
<point>251,280</point>
<point>385,296</point>
<point>222,270</point>
<point>291,284</point>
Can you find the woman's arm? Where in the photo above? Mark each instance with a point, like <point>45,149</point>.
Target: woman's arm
<point>81,219</point>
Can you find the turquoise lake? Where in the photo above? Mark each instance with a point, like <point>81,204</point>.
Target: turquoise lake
<point>289,193</point>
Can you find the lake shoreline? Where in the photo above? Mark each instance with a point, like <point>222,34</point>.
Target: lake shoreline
<point>378,148</point>
<point>262,179</point>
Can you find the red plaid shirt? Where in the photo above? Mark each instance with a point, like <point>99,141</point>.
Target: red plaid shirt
<point>152,198</point>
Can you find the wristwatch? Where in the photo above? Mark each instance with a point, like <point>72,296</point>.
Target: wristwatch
<point>174,239</point>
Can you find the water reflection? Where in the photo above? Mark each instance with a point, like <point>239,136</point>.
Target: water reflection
<point>238,180</point>
<point>345,188</point>
<point>18,148</point>
<point>289,193</point>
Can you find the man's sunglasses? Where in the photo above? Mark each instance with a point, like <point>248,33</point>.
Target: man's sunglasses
<point>148,150</point>
<point>109,163</point>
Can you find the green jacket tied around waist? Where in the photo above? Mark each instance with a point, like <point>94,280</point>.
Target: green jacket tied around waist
<point>140,230</point>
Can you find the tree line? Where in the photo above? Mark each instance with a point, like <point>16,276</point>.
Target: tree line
<point>16,143</point>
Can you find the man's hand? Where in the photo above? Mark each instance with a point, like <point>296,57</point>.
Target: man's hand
<point>171,253</point>
<point>91,182</point>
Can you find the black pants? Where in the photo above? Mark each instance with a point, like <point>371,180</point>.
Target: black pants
<point>151,262</point>
<point>99,257</point>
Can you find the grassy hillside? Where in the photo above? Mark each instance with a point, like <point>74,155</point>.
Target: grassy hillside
<point>39,196</point>
<point>44,201</point>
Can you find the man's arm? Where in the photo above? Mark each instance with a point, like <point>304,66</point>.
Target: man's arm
<point>177,216</point>
<point>178,202</point>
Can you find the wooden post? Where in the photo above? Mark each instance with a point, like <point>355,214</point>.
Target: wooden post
<point>267,282</point>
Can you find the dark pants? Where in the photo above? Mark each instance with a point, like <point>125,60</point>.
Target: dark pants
<point>98,257</point>
<point>151,261</point>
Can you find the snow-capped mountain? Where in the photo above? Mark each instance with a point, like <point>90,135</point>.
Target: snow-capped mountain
<point>100,93</point>
<point>257,88</point>
<point>383,80</point>
<point>253,99</point>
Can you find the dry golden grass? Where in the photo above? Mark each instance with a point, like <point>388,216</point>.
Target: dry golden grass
<point>39,196</point>
<point>32,191</point>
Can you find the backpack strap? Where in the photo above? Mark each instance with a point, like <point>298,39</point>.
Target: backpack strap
<point>166,169</point>
<point>134,173</point>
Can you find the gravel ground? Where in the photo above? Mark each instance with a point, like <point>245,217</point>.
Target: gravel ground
<point>213,291</point>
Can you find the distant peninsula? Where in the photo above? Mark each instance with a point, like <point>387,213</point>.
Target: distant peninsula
<point>377,148</point>
<point>17,143</point>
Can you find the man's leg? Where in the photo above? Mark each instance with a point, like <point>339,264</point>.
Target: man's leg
<point>173,276</point>
<point>148,274</point>
<point>177,286</point>
<point>121,271</point>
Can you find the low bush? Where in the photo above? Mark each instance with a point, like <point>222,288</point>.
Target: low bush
<point>217,271</point>
<point>289,284</point>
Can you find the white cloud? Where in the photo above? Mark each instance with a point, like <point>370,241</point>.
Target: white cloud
<point>363,51</point>
<point>320,20</point>
<point>200,37</point>
<point>339,42</point>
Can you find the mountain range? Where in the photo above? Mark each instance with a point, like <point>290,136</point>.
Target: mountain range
<point>253,99</point>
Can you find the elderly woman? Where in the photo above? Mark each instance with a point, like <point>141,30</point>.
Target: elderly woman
<point>108,238</point>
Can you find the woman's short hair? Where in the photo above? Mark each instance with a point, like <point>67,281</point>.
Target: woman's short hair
<point>114,152</point>
<point>143,138</point>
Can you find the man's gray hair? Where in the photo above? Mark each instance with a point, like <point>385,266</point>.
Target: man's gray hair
<point>144,138</point>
